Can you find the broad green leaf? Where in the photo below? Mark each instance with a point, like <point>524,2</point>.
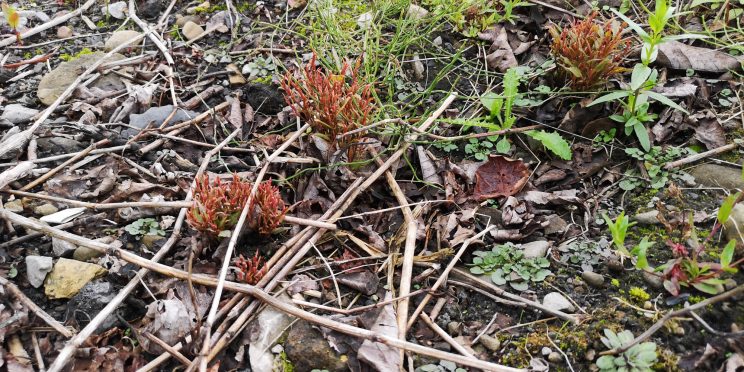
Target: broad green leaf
<point>488,101</point>
<point>640,252</point>
<point>503,146</point>
<point>708,288</point>
<point>639,76</point>
<point>726,207</point>
<point>683,37</point>
<point>728,254</point>
<point>606,362</point>
<point>610,97</point>
<point>663,99</point>
<point>554,142</point>
<point>642,134</point>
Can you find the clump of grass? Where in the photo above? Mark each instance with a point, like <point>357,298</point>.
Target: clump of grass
<point>589,53</point>
<point>218,204</point>
<point>331,105</point>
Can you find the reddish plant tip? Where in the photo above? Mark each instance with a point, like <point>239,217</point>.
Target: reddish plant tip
<point>218,204</point>
<point>332,106</point>
<point>589,53</point>
<point>250,271</point>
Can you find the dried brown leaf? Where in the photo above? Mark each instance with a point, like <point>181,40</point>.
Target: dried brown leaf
<point>500,176</point>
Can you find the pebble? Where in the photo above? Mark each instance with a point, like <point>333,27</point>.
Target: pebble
<point>545,351</point>
<point>58,80</point>
<point>69,276</point>
<point>648,305</point>
<point>191,30</point>
<point>555,357</point>
<point>17,114</point>
<point>593,279</point>
<point>37,268</point>
<point>45,209</point>
<point>117,10</point>
<point>655,281</point>
<point>15,206</point>
<point>91,299</point>
<point>736,219</point>
<point>535,249</point>
<point>590,355</point>
<point>557,302</point>
<point>416,12</point>
<point>490,343</point>
<point>119,38</point>
<point>454,328</point>
<point>62,247</point>
<point>615,265</point>
<point>647,218</point>
<point>714,175</point>
<point>64,32</point>
<point>182,20</point>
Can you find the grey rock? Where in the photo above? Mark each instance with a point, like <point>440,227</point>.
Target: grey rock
<point>647,218</point>
<point>557,302</point>
<point>556,225</point>
<point>713,175</point>
<point>454,328</point>
<point>117,10</point>
<point>37,268</point>
<point>182,20</point>
<point>119,38</point>
<point>91,299</point>
<point>62,247</point>
<point>535,249</point>
<point>545,351</point>
<point>491,343</point>
<point>58,80</point>
<point>15,206</point>
<point>590,355</point>
<point>45,209</point>
<point>655,281</point>
<point>58,145</point>
<point>734,226</point>
<point>64,32</point>
<point>157,116</point>
<point>85,254</point>
<point>191,30</point>
<point>307,349</point>
<point>555,357</point>
<point>593,279</point>
<point>416,12</point>
<point>269,326</point>
<point>18,114</point>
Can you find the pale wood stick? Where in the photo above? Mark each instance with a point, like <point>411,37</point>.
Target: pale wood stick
<point>702,155</point>
<point>153,36</point>
<point>250,290</point>
<point>172,351</point>
<point>51,23</point>
<point>445,274</point>
<point>62,166</point>
<point>48,319</point>
<point>447,338</point>
<point>37,352</point>
<point>65,156</point>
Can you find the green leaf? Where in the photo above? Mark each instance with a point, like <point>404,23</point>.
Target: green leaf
<point>728,254</point>
<point>488,101</point>
<point>634,26</point>
<point>683,37</point>
<point>663,99</point>
<point>503,146</point>
<point>639,76</point>
<point>640,252</point>
<point>610,97</point>
<point>553,141</point>
<point>726,207</point>
<point>642,134</point>
<point>708,288</point>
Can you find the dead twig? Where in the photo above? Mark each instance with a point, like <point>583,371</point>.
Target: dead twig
<point>48,319</point>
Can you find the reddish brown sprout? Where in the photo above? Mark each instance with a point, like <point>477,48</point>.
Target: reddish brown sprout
<point>329,104</point>
<point>251,270</point>
<point>589,53</point>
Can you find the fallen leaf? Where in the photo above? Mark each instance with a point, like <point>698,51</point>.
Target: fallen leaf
<point>500,55</point>
<point>710,133</point>
<point>380,356</point>
<point>500,176</point>
<point>169,320</point>
<point>679,56</point>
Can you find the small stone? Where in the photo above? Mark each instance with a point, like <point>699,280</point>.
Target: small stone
<point>557,302</point>
<point>117,10</point>
<point>416,12</point>
<point>62,247</point>
<point>182,20</point>
<point>45,209</point>
<point>69,276</point>
<point>615,265</point>
<point>306,346</point>
<point>278,348</point>
<point>15,206</point>
<point>654,280</point>
<point>121,37</point>
<point>58,80</point>
<point>729,284</point>
<point>85,254</point>
<point>454,328</point>
<point>236,78</point>
<point>150,240</point>
<point>555,357</point>
<point>37,268</point>
<point>191,30</point>
<point>17,114</point>
<point>590,355</point>
<point>91,299</point>
<point>64,32</point>
<point>535,249</point>
<point>491,343</point>
<point>364,281</point>
<point>556,225</point>
<point>647,218</point>
<point>648,305</point>
<point>593,279</point>
<point>714,175</point>
<point>734,226</point>
<point>678,330</point>
<point>545,351</point>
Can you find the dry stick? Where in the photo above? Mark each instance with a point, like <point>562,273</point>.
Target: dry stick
<point>62,166</point>
<point>447,338</point>
<point>63,226</point>
<point>48,25</point>
<point>48,319</point>
<point>444,275</point>
<point>672,314</point>
<point>153,36</point>
<point>234,240</point>
<point>37,352</point>
<point>173,352</point>
<point>243,288</point>
<point>163,357</point>
<point>702,155</point>
<point>353,191</point>
<point>65,156</point>
<point>67,352</point>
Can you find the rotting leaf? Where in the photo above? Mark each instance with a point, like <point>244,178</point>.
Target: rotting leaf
<point>500,55</point>
<point>679,56</point>
<point>382,357</point>
<point>500,176</point>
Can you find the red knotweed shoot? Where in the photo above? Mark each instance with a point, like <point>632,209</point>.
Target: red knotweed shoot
<point>251,270</point>
<point>589,53</point>
<point>217,206</point>
<point>333,104</point>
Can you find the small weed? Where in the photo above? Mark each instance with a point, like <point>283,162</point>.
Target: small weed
<point>654,161</point>
<point>250,271</point>
<point>638,358</point>
<point>639,294</point>
<point>480,148</point>
<point>260,67</point>
<point>506,263</point>
<point>70,57</point>
<point>589,53</point>
<point>587,254</point>
<point>144,226</point>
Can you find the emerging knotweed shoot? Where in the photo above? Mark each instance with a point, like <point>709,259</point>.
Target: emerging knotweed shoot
<point>13,19</point>
<point>250,271</point>
<point>589,53</point>
<point>330,104</point>
<point>217,206</point>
